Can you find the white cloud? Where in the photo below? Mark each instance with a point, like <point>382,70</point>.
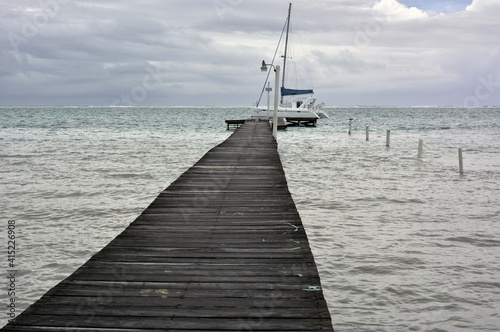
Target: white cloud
<point>484,6</point>
<point>397,11</point>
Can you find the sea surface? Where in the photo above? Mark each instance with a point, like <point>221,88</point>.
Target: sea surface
<point>402,243</point>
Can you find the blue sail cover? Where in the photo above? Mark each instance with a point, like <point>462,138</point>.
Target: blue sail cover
<point>293,92</point>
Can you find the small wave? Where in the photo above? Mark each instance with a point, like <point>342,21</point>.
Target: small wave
<point>390,200</point>
<point>127,175</point>
<point>475,241</point>
<point>374,270</point>
<point>487,285</point>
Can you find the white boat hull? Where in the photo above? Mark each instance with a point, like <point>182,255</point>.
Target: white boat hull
<point>299,113</point>
<point>291,117</point>
<point>289,114</point>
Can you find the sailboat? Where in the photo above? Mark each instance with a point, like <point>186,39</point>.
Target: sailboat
<point>300,108</point>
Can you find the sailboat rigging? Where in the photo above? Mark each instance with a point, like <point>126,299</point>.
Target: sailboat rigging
<point>286,49</point>
<point>300,110</point>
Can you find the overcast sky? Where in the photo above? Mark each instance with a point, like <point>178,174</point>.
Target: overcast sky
<point>208,52</point>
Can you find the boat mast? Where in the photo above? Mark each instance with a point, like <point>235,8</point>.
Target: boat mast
<point>286,47</point>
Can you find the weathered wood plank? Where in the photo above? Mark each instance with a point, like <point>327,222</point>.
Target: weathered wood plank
<point>257,322</point>
<point>221,249</point>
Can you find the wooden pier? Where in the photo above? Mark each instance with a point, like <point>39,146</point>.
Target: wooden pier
<point>221,249</point>
<point>235,124</point>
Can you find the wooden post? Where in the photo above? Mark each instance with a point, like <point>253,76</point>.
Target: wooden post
<point>367,133</point>
<point>388,138</point>
<point>420,148</point>
<point>460,161</point>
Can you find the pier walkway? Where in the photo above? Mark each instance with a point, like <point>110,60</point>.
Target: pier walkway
<point>221,249</point>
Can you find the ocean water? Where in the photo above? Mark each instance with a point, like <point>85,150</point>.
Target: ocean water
<point>402,243</point>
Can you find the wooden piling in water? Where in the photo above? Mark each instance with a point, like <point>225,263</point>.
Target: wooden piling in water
<point>420,148</point>
<point>222,248</point>
<point>460,161</point>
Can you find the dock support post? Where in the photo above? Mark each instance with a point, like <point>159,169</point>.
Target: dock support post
<point>388,138</point>
<point>460,161</point>
<point>367,133</point>
<point>276,95</point>
<point>268,89</point>
<point>420,148</point>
